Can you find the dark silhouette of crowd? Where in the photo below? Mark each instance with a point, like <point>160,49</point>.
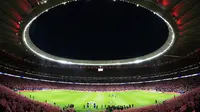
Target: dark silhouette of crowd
<point>118,107</point>
<point>10,101</point>
<point>13,102</point>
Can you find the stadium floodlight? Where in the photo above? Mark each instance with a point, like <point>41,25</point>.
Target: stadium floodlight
<point>138,61</point>
<point>163,49</point>
<point>42,1</point>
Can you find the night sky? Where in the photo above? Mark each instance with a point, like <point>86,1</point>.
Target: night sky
<point>98,30</point>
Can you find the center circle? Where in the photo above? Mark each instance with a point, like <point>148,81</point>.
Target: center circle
<point>98,30</point>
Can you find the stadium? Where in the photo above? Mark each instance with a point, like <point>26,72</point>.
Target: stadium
<point>99,56</point>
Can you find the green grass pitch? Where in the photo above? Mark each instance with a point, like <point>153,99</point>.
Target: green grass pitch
<point>63,97</point>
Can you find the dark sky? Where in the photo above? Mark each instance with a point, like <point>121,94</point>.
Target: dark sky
<point>98,30</point>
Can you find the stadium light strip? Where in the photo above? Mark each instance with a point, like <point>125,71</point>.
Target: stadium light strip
<point>27,41</point>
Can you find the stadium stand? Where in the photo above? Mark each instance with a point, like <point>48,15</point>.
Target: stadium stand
<point>179,85</point>
<point>13,102</point>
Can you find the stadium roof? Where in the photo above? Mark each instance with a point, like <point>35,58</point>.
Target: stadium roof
<point>29,44</point>
<point>183,16</point>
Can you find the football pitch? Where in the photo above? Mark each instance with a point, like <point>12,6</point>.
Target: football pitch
<point>62,98</point>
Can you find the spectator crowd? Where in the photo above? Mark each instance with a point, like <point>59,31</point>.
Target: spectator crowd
<point>13,102</point>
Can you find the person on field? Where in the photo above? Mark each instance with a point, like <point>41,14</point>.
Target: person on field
<point>156,101</point>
